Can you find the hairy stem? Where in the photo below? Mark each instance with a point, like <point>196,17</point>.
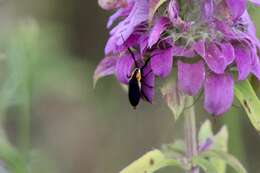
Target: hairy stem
<point>190,133</point>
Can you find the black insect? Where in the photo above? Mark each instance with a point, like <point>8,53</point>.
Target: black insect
<point>137,84</point>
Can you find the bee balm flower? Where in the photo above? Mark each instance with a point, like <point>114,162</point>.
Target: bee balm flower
<point>207,40</point>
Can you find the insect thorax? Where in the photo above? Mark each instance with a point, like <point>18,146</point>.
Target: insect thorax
<point>136,74</point>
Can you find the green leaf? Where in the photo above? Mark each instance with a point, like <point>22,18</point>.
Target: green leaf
<point>178,145</point>
<point>174,98</point>
<point>247,97</point>
<point>205,131</point>
<point>150,162</point>
<point>153,6</point>
<point>175,150</point>
<point>205,164</point>
<point>228,158</point>
<point>220,142</point>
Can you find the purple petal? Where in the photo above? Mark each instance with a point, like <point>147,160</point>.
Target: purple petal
<point>158,28</point>
<point>161,62</point>
<point>110,45</point>
<point>224,28</point>
<point>182,51</point>
<point>121,12</point>
<point>218,93</point>
<point>236,7</point>
<point>113,17</point>
<point>111,4</point>
<point>251,30</point>
<point>256,65</point>
<point>207,9</point>
<point>199,47</point>
<point>105,67</point>
<point>248,21</point>
<point>148,83</point>
<point>256,70</point>
<point>228,51</point>
<point>215,59</point>
<point>132,40</point>
<point>243,60</point>
<point>191,77</point>
<point>143,42</point>
<point>206,145</point>
<point>123,68</point>
<point>173,11</point>
<point>126,27</point>
<point>256,2</point>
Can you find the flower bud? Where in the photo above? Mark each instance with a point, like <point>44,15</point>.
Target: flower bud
<point>111,4</point>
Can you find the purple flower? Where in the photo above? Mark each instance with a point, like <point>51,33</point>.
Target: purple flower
<point>208,43</point>
<point>191,77</point>
<point>218,93</point>
<point>161,62</point>
<point>137,15</point>
<point>156,31</point>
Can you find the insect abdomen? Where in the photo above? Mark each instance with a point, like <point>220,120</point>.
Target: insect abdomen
<point>134,94</point>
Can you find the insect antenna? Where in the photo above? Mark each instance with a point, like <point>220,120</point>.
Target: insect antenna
<point>148,60</point>
<point>130,51</point>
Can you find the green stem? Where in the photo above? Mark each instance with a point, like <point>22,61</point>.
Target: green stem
<point>190,133</point>
<point>24,119</point>
<point>23,126</point>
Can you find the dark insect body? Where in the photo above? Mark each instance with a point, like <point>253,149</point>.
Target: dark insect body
<point>134,87</point>
<point>136,82</point>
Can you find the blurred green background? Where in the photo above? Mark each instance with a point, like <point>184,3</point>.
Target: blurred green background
<point>50,112</point>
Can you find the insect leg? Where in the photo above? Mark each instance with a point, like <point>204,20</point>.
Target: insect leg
<point>148,60</point>
<point>143,94</point>
<point>128,76</point>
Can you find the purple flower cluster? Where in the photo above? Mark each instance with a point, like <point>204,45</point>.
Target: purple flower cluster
<point>208,40</point>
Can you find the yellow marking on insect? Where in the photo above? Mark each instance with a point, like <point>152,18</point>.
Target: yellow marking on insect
<point>138,75</point>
